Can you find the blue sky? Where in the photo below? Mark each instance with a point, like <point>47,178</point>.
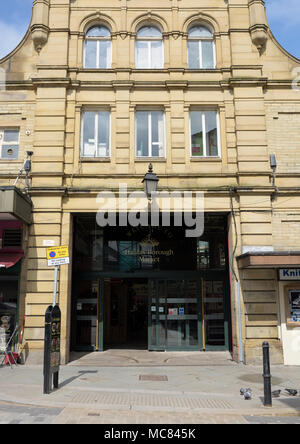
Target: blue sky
<point>283,16</point>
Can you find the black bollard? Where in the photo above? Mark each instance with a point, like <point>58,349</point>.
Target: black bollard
<point>267,375</point>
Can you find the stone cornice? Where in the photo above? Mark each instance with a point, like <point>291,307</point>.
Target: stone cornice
<point>230,83</point>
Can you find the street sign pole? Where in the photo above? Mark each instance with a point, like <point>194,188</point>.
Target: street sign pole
<point>55,284</point>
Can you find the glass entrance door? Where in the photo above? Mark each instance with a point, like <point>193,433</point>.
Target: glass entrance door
<point>216,318</point>
<point>175,315</point>
<point>86,315</point>
<point>188,313</point>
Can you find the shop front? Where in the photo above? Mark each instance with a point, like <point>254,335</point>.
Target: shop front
<point>15,214</point>
<point>275,304</point>
<point>150,287</point>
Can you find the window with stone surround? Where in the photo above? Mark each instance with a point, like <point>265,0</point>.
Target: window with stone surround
<point>9,143</point>
<point>205,134</point>
<point>150,134</point>
<point>97,50</point>
<point>201,48</point>
<point>95,140</point>
<point>149,48</point>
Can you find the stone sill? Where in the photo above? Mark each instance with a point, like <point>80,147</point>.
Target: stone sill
<point>95,159</point>
<point>205,159</point>
<point>150,159</point>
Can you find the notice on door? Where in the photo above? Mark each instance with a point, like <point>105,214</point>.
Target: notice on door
<point>173,311</point>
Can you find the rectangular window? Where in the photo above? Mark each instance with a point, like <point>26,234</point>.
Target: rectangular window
<point>204,134</point>
<point>208,57</point>
<point>201,54</point>
<point>150,134</point>
<point>91,54</point>
<point>149,55</point>
<point>96,134</point>
<point>142,55</point>
<point>104,54</point>
<point>98,54</point>
<point>9,144</point>
<point>194,55</point>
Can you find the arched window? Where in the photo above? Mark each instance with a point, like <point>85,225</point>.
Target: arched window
<point>97,48</point>
<point>201,48</point>
<point>149,48</point>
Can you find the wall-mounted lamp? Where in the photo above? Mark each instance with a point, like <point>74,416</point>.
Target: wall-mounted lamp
<point>150,182</point>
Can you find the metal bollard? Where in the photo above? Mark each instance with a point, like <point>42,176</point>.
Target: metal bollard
<point>267,375</point>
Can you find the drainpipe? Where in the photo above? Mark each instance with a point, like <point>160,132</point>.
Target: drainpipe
<point>241,349</point>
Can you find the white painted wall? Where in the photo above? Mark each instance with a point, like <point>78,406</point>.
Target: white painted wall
<point>290,335</point>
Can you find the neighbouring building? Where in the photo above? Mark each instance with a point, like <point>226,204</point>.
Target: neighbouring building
<point>94,93</point>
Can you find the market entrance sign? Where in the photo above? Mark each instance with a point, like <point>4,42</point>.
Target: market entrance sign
<point>289,274</point>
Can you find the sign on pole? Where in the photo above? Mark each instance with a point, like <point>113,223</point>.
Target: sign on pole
<point>58,256</point>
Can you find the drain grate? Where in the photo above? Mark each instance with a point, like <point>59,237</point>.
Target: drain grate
<point>153,378</point>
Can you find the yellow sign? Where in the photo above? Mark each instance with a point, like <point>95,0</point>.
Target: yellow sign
<point>57,252</point>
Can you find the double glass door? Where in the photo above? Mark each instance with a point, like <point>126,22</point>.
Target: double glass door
<point>175,314</point>
<point>188,313</point>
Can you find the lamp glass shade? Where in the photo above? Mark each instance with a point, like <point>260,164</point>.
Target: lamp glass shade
<point>150,182</point>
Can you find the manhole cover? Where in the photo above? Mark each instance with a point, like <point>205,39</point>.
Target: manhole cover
<point>153,378</point>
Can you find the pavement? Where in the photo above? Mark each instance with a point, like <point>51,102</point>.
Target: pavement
<point>141,387</point>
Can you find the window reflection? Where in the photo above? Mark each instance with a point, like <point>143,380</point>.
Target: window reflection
<point>135,248</point>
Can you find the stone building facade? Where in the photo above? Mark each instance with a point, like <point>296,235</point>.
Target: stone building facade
<point>201,89</point>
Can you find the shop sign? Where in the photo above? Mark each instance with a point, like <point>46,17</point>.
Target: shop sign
<point>289,274</point>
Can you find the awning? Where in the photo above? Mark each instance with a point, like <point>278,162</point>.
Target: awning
<point>15,204</point>
<point>9,258</point>
<point>275,259</point>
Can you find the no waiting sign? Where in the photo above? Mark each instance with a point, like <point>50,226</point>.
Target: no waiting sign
<point>58,255</point>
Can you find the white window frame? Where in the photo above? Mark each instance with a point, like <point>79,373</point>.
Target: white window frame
<point>98,40</point>
<point>149,41</point>
<point>205,156</point>
<point>14,143</point>
<point>96,125</point>
<point>163,148</point>
<point>200,40</point>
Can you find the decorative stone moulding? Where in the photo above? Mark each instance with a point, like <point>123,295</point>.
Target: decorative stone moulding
<point>259,36</point>
<point>258,23</point>
<point>40,23</point>
<point>39,35</point>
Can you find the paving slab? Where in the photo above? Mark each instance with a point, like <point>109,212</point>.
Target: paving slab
<point>162,390</point>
